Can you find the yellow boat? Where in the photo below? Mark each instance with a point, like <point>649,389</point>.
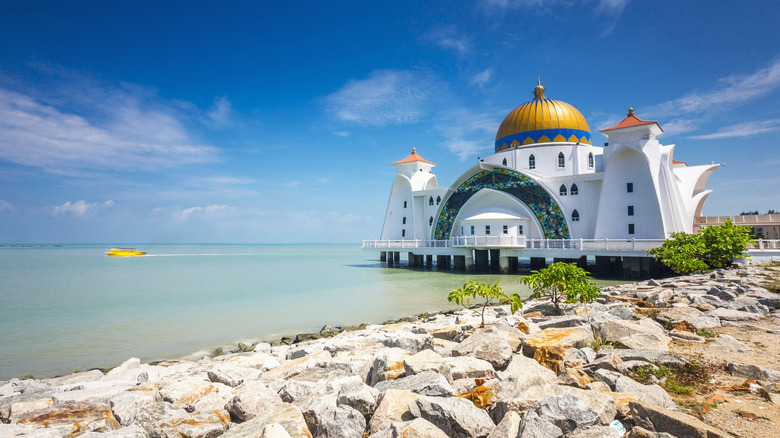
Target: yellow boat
<point>124,252</point>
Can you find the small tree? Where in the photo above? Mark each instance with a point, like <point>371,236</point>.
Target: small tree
<point>562,282</point>
<point>471,289</point>
<point>713,247</point>
<point>683,253</point>
<point>724,243</point>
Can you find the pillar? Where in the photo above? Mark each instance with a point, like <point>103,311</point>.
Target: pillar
<point>503,263</point>
<point>428,261</point>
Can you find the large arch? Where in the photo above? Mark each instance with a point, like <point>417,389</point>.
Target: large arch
<point>528,191</point>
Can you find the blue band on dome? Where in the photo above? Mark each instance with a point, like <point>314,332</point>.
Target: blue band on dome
<point>537,134</point>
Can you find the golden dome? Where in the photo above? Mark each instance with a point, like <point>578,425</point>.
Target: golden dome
<point>542,120</point>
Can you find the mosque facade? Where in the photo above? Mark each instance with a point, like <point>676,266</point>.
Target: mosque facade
<point>546,180</point>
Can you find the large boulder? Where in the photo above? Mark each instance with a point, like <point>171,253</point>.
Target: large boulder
<point>250,400</point>
<point>425,360</point>
<point>491,344</point>
<point>658,419</point>
<point>534,426</point>
<point>509,427</point>
<point>71,419</point>
<point>467,367</point>
<point>284,414</point>
<point>388,365</point>
<point>457,417</point>
<point>753,372</point>
<point>417,428</point>
<point>393,407</point>
<point>425,383</point>
<point>566,412</point>
<point>555,337</point>
<point>725,314</point>
<point>644,333</point>
<point>652,394</point>
<point>341,422</point>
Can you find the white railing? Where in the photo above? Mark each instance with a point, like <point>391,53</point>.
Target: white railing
<point>534,244</point>
<point>493,241</point>
<point>747,219</point>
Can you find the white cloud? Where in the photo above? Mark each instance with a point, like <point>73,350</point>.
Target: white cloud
<point>79,208</point>
<point>482,78</point>
<point>743,130</point>
<point>342,133</point>
<point>734,89</point>
<point>207,212</point>
<point>5,206</point>
<point>468,134</point>
<point>449,38</point>
<point>384,97</point>
<point>323,180</point>
<point>88,127</point>
<point>610,10</point>
<point>221,113</point>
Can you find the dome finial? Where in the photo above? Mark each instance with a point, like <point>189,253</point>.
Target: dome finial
<point>630,112</point>
<point>539,90</point>
<point>414,150</point>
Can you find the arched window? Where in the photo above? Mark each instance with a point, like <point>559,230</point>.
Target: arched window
<point>430,201</point>
<point>590,160</point>
<point>561,160</point>
<point>504,162</point>
<point>563,190</point>
<point>575,216</point>
<point>430,221</point>
<point>532,162</point>
<point>574,190</point>
<point>438,200</point>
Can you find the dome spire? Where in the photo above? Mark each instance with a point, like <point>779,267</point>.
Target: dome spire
<point>539,90</point>
<point>630,112</point>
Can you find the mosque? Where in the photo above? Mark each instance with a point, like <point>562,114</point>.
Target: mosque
<point>546,182</point>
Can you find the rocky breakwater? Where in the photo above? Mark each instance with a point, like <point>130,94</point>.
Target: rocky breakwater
<point>529,375</point>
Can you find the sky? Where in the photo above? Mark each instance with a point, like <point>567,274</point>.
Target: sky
<point>276,122</point>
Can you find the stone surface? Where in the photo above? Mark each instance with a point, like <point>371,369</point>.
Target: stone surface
<point>341,422</point>
<point>658,419</point>
<point>284,414</point>
<point>534,426</point>
<point>359,396</point>
<point>393,406</point>
<point>274,430</point>
<point>566,412</point>
<point>644,333</point>
<point>734,315</point>
<point>467,367</point>
<point>250,400</point>
<point>425,383</point>
<point>455,416</point>
<point>417,428</point>
<point>726,343</point>
<point>509,427</point>
<point>652,394</point>
<point>425,360</point>
<point>490,344</point>
<point>72,418</point>
<point>555,337</point>
<point>753,372</point>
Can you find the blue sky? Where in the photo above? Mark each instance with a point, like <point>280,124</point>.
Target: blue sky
<point>266,122</point>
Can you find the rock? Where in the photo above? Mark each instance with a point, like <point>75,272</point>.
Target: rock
<point>576,377</point>
<point>126,404</point>
<point>467,367</point>
<point>274,430</point>
<point>250,400</point>
<point>733,315</point>
<point>455,416</point>
<point>417,428</point>
<point>602,404</point>
<point>551,358</point>
<point>482,396</point>
<point>185,392</point>
<point>359,396</point>
<point>72,418</point>
<point>555,337</point>
<point>705,321</point>
<point>226,376</point>
<point>509,427</point>
<point>652,394</point>
<point>727,344</point>
<point>641,432</point>
<point>426,360</point>
<point>388,365</point>
<point>677,314</point>
<point>566,412</point>
<point>608,377</point>
<point>523,368</point>
<point>285,414</point>
<point>593,432</point>
<point>196,424</point>
<point>293,367</point>
<point>314,381</point>
<point>341,422</point>
<point>723,294</point>
<point>314,407</point>
<point>644,333</point>
<point>658,419</point>
<point>753,372</point>
<point>21,408</point>
<point>425,383</point>
<point>686,336</point>
<point>491,344</point>
<point>533,426</point>
<point>652,356</point>
<point>393,406</point>
<point>19,430</point>
<point>448,333</point>
<point>561,321</point>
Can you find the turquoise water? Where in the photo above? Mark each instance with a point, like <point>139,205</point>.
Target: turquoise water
<point>72,308</point>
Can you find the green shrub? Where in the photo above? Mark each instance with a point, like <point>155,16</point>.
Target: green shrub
<point>471,289</point>
<point>562,282</point>
<point>713,247</point>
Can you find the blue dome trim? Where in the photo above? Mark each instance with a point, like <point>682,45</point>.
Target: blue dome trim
<point>537,134</point>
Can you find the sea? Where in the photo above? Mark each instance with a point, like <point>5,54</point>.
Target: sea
<point>69,308</point>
